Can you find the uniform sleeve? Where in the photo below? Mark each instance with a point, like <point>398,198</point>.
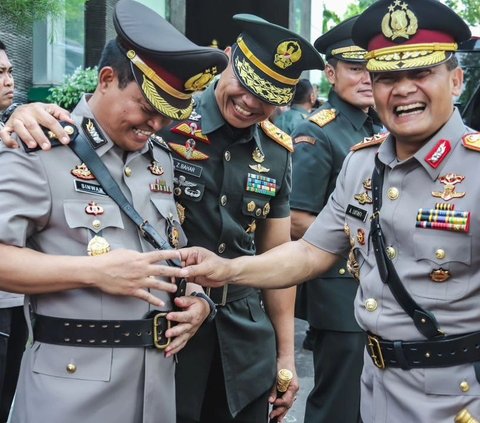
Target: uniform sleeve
<point>327,231</point>
<point>280,204</point>
<point>312,167</point>
<point>25,194</point>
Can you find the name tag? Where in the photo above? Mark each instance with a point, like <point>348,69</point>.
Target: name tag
<point>88,188</point>
<point>357,212</point>
<point>188,168</point>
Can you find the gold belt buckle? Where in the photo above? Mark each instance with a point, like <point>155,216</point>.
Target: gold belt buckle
<point>376,351</point>
<point>157,333</point>
<point>224,295</point>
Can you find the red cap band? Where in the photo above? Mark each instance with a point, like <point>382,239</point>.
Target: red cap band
<point>423,36</point>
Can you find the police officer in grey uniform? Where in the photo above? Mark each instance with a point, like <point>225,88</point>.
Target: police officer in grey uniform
<point>404,211</point>
<point>321,143</point>
<point>98,301</point>
<point>232,183</point>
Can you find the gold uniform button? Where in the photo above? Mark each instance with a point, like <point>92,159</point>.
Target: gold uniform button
<point>371,304</point>
<point>221,248</point>
<point>227,156</point>
<point>96,224</point>
<point>341,271</point>
<point>393,193</point>
<point>71,368</point>
<point>223,200</point>
<point>128,171</point>
<point>440,254</point>
<point>391,252</point>
<point>464,386</point>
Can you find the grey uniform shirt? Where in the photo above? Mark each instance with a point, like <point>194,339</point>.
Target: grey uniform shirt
<point>420,182</point>
<point>48,212</point>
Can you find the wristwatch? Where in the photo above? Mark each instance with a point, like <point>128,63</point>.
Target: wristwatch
<point>213,307</point>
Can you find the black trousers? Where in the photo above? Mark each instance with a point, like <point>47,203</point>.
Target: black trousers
<point>215,408</point>
<point>338,362</point>
<point>13,336</point>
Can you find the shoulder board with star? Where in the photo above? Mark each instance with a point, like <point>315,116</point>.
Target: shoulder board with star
<point>277,135</point>
<point>472,141</point>
<point>158,141</point>
<point>370,141</point>
<point>323,117</point>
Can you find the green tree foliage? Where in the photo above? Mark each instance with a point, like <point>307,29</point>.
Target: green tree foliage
<point>467,9</point>
<point>70,92</point>
<point>357,7</point>
<point>23,13</point>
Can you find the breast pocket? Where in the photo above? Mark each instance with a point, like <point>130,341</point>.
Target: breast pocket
<point>169,223</point>
<point>73,362</point>
<point>442,261</point>
<point>91,217</point>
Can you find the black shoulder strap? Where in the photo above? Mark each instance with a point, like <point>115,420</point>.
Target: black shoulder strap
<point>424,320</point>
<point>82,148</point>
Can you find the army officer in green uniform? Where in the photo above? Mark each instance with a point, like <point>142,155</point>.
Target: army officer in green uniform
<point>300,108</point>
<point>321,143</point>
<point>232,186</point>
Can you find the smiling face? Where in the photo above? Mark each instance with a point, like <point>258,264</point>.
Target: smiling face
<point>351,81</point>
<point>239,107</point>
<point>415,104</point>
<point>6,81</point>
<point>124,113</point>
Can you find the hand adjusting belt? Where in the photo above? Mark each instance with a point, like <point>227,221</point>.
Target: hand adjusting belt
<point>439,352</point>
<point>147,332</point>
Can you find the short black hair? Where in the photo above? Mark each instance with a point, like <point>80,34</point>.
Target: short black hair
<point>2,46</point>
<point>114,56</point>
<point>452,62</point>
<point>302,91</point>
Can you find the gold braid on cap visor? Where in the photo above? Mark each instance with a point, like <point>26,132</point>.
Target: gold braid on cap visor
<point>351,52</point>
<point>161,104</point>
<point>408,56</point>
<point>263,88</point>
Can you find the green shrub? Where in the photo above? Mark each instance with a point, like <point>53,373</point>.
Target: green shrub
<point>70,92</point>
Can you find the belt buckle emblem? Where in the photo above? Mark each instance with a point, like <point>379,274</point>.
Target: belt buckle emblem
<point>376,352</point>
<point>158,332</point>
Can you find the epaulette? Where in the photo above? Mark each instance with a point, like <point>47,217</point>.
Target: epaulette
<point>323,117</point>
<point>371,141</point>
<point>159,142</point>
<point>70,129</point>
<point>472,141</point>
<point>277,135</point>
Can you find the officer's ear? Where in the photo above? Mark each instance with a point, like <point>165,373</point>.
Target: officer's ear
<point>456,80</point>
<point>330,73</point>
<point>106,77</point>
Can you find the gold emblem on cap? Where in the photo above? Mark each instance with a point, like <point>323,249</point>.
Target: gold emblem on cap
<point>199,81</point>
<point>287,54</point>
<point>98,246</point>
<point>400,21</point>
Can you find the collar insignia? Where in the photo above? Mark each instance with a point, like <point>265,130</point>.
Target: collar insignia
<point>438,153</point>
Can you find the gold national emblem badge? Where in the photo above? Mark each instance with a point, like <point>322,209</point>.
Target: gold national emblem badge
<point>400,21</point>
<point>288,52</point>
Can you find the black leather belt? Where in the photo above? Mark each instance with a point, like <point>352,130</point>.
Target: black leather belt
<point>147,332</point>
<point>440,352</point>
<point>228,294</point>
